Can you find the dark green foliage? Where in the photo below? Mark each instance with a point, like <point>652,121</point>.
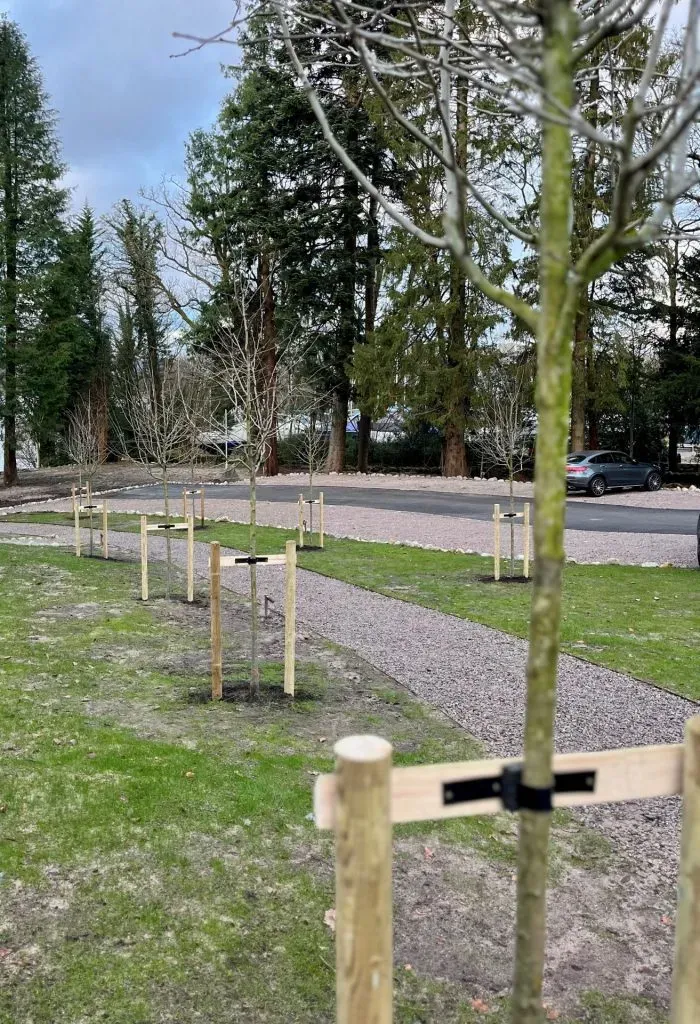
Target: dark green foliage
<point>31,206</point>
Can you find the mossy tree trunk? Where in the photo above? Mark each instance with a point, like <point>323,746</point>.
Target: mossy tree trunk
<point>552,398</point>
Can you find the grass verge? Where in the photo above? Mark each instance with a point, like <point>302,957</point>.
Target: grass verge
<point>645,622</point>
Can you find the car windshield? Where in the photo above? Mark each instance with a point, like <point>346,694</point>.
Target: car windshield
<point>575,458</point>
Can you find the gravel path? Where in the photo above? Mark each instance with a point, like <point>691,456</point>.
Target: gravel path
<point>434,531</point>
<point>476,675</point>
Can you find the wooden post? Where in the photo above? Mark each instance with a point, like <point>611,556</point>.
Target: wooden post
<point>105,523</point>
<point>321,520</point>
<point>685,1001</point>
<point>526,540</point>
<point>190,559</point>
<point>217,689</point>
<point>144,558</point>
<point>364,958</point>
<point>201,506</point>
<point>76,520</point>
<point>290,615</point>
<point>184,503</point>
<point>301,520</point>
<point>497,542</point>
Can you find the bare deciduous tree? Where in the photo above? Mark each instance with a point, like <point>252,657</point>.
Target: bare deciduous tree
<point>237,370</point>
<point>157,408</point>
<point>505,427</point>
<point>84,448</point>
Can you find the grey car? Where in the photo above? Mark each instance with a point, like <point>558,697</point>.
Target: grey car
<point>595,472</point>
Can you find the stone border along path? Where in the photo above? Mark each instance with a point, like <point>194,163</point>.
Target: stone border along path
<point>421,529</point>
<point>476,675</point>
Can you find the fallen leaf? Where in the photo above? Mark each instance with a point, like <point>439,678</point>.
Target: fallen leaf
<point>3,808</point>
<point>322,739</point>
<point>407,967</point>
<point>480,1006</point>
<point>189,775</point>
<point>4,952</point>
<point>428,853</point>
<point>665,919</point>
<point>329,919</point>
<point>551,1014</point>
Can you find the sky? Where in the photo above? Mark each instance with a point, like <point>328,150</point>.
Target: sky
<point>125,107</point>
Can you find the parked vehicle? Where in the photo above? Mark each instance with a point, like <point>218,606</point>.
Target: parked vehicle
<point>595,472</point>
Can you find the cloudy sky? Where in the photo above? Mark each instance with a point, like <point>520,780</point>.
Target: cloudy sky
<point>125,107</point>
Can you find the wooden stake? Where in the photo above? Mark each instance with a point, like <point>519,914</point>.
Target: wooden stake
<point>301,520</point>
<point>497,542</point>
<point>76,520</point>
<point>290,615</point>
<point>526,540</point>
<point>685,1001</point>
<point>201,506</point>
<point>364,959</point>
<point>217,689</point>
<point>321,521</point>
<point>190,559</point>
<point>105,523</point>
<point>144,558</point>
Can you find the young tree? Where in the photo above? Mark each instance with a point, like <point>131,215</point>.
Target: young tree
<point>31,206</point>
<point>506,424</point>
<point>84,446</point>
<point>237,354</point>
<point>153,424</point>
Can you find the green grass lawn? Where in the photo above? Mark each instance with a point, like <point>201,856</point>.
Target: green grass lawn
<point>645,622</point>
<point>157,861</point>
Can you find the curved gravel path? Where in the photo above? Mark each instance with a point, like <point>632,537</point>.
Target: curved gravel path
<point>476,675</point>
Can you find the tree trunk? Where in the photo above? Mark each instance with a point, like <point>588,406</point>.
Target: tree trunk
<point>252,551</point>
<point>269,355</point>
<point>10,317</point>
<point>553,396</point>
<point>579,382</point>
<point>168,542</point>
<point>454,453</point>
<point>584,207</point>
<point>672,354</point>
<point>512,520</point>
<point>364,429</point>
<point>339,423</point>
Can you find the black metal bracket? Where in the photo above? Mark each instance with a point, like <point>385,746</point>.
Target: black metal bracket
<point>250,560</point>
<point>165,526</point>
<point>513,793</point>
<point>87,508</point>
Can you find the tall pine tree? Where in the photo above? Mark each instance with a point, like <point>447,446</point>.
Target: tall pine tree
<point>31,205</point>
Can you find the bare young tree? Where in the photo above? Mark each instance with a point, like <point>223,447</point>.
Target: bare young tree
<point>84,448</point>
<point>238,372</point>
<point>154,425</point>
<point>526,65</point>
<point>505,427</point>
<point>312,446</point>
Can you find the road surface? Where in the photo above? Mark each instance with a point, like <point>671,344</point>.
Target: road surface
<point>580,513</point>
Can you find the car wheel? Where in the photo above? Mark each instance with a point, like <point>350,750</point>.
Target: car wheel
<point>597,486</point>
<point>653,481</point>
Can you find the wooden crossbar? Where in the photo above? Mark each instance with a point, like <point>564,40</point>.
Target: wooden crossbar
<point>229,561</point>
<point>418,793</point>
<point>154,527</point>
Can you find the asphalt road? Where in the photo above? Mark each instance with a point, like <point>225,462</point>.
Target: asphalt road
<point>580,513</point>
